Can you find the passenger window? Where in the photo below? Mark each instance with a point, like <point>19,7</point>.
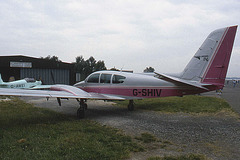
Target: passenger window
<point>105,78</point>
<point>118,79</point>
<point>93,78</point>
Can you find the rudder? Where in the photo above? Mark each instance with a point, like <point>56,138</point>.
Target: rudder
<point>216,71</point>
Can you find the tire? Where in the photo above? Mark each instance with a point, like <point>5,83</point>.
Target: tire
<point>130,107</point>
<point>80,113</point>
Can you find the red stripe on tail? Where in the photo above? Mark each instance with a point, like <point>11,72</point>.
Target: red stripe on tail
<point>216,71</point>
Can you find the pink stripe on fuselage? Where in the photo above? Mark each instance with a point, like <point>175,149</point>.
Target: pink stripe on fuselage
<point>143,92</point>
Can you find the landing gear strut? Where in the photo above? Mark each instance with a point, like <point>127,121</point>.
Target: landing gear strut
<point>131,105</point>
<point>81,109</point>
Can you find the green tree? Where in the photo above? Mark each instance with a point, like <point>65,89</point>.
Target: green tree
<point>91,63</point>
<point>100,65</point>
<point>149,69</point>
<point>114,69</point>
<point>80,64</point>
<point>52,58</point>
<point>89,66</point>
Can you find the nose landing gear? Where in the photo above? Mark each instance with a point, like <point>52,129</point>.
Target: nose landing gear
<point>81,109</point>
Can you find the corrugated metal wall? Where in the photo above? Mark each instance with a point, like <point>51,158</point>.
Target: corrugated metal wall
<point>48,76</point>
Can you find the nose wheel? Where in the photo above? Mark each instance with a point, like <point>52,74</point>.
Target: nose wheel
<point>81,109</point>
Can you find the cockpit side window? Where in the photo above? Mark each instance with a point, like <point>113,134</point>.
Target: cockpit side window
<point>93,78</point>
<point>105,78</point>
<point>118,79</point>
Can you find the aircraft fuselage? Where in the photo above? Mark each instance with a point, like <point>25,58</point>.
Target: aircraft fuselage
<point>132,86</point>
<point>21,84</point>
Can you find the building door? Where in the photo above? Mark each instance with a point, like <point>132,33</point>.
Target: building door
<point>47,76</point>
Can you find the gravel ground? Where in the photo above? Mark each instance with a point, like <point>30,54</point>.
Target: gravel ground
<point>216,136</point>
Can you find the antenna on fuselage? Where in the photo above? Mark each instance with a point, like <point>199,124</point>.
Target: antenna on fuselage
<point>122,68</point>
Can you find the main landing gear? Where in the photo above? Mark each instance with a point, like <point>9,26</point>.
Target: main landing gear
<point>131,105</point>
<point>81,109</point>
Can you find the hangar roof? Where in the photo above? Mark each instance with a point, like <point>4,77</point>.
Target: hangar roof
<point>35,62</point>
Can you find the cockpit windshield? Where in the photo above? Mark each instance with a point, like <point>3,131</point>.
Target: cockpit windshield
<point>93,78</point>
<point>30,80</point>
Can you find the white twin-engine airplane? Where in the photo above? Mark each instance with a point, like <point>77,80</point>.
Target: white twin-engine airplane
<point>205,72</point>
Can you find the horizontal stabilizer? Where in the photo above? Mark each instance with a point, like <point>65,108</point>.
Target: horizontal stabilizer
<point>179,81</point>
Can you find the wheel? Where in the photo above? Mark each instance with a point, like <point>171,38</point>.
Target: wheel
<point>81,109</point>
<point>85,106</point>
<point>80,113</point>
<point>131,105</point>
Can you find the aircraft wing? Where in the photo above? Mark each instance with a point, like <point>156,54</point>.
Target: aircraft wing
<point>179,81</point>
<point>57,91</point>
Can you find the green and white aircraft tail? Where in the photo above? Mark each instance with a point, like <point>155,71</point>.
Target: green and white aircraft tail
<point>1,81</point>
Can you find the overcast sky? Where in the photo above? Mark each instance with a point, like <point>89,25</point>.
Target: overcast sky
<point>163,34</point>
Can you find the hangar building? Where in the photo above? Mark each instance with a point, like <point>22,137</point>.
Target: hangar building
<point>50,72</point>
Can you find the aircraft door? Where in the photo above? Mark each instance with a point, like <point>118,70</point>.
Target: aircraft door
<point>105,83</point>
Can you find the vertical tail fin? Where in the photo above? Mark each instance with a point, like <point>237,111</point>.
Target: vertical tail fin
<point>1,81</point>
<point>210,63</point>
<point>215,72</point>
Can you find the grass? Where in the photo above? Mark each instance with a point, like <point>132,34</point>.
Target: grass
<point>181,157</point>
<point>186,104</point>
<point>146,138</point>
<point>4,97</point>
<point>27,132</point>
